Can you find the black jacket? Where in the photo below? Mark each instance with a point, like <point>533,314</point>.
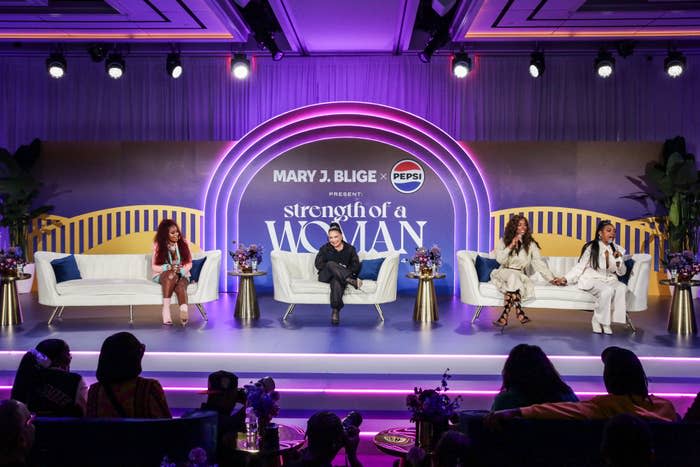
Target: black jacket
<point>347,257</point>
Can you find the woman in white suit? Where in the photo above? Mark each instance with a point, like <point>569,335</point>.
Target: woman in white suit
<point>597,271</point>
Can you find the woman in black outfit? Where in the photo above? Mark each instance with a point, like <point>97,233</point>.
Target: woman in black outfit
<point>338,265</point>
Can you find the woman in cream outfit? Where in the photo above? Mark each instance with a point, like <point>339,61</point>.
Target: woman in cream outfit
<point>597,271</point>
<point>516,252</point>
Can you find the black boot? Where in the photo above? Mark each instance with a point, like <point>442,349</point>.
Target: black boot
<point>335,316</point>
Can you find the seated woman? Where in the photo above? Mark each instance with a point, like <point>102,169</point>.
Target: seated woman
<point>171,266</point>
<point>516,252</point>
<point>45,383</point>
<point>338,265</point>
<point>597,271</point>
<point>628,392</point>
<point>119,390</point>
<point>530,378</point>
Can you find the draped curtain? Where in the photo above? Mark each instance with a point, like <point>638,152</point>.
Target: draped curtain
<point>498,100</point>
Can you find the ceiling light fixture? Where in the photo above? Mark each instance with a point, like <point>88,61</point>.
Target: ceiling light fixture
<point>604,63</point>
<point>536,64</point>
<point>240,66</point>
<point>461,65</point>
<point>674,64</point>
<point>115,66</point>
<point>56,65</point>
<point>173,65</point>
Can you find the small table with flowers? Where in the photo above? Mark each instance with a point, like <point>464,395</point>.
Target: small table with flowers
<point>11,308</point>
<point>247,300</point>
<point>291,438</point>
<point>425,310</point>
<point>681,319</point>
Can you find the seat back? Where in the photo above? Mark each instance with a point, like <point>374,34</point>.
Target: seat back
<point>112,442</point>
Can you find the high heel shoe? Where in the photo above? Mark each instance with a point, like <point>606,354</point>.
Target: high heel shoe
<point>502,321</point>
<point>184,316</point>
<point>600,328</point>
<point>520,314</point>
<point>167,320</point>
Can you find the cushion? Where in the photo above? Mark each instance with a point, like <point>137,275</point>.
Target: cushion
<point>369,269</point>
<point>65,269</point>
<point>626,278</point>
<point>484,266</point>
<point>90,287</point>
<point>314,286</point>
<point>196,268</point>
<point>570,294</point>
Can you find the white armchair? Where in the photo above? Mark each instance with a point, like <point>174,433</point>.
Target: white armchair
<point>295,281</point>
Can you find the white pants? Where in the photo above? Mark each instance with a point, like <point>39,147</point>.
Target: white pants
<point>610,301</point>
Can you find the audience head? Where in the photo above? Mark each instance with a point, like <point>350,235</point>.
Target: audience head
<point>627,442</point>
<point>528,370</point>
<point>452,450</point>
<point>222,391</point>
<point>49,353</point>
<point>17,428</point>
<point>120,358</point>
<point>623,373</point>
<point>325,435</point>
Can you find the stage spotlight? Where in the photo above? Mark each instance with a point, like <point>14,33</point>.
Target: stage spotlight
<point>461,65</point>
<point>266,41</point>
<point>115,66</point>
<point>98,52</point>
<point>240,66</point>
<point>674,64</point>
<point>536,64</point>
<point>604,64</point>
<point>56,65</point>
<point>173,65</point>
<point>436,41</point>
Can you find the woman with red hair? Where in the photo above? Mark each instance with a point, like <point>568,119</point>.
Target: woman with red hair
<point>171,266</point>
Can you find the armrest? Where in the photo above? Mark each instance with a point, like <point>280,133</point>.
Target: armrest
<point>281,278</point>
<point>388,278</point>
<point>208,284</point>
<point>638,284</point>
<point>45,277</point>
<point>468,280</point>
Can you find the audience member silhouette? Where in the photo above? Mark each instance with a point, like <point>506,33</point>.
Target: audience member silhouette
<point>693,413</point>
<point>325,437</point>
<point>16,433</point>
<point>119,390</point>
<point>45,383</point>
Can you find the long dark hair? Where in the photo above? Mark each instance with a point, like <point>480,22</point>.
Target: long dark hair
<point>161,239</point>
<point>624,374</point>
<point>528,371</point>
<point>511,231</point>
<point>120,358</point>
<point>49,353</point>
<point>595,246</point>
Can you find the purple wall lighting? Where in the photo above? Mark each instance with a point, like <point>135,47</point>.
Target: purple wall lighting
<point>418,137</point>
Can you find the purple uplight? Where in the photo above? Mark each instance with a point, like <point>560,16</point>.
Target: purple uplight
<point>363,121</point>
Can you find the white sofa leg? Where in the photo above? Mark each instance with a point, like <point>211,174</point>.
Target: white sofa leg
<point>202,311</point>
<point>630,324</point>
<point>60,312</point>
<point>379,311</point>
<point>477,313</point>
<point>131,314</point>
<point>289,311</point>
<point>53,314</point>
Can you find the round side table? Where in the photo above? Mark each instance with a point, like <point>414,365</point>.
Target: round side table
<point>11,308</point>
<point>681,319</point>
<point>425,310</point>
<point>292,438</point>
<point>247,300</point>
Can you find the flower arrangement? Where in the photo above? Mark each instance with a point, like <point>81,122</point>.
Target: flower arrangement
<point>263,398</point>
<point>683,265</point>
<point>244,256</point>
<point>426,258</point>
<point>10,260</point>
<point>433,405</point>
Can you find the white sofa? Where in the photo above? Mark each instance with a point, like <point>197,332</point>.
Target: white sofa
<point>570,297</point>
<point>118,280</point>
<point>295,281</point>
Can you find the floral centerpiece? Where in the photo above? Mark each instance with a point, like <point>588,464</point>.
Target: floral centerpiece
<point>682,266</point>
<point>11,261</point>
<point>263,398</point>
<point>247,257</point>
<point>425,259</point>
<point>432,410</point>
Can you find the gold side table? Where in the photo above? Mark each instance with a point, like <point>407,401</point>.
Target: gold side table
<point>11,308</point>
<point>425,309</point>
<point>681,319</point>
<point>247,300</point>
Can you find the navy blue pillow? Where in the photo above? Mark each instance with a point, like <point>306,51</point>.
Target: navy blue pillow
<point>484,266</point>
<point>369,269</point>
<point>626,278</point>
<point>65,269</point>
<point>196,269</point>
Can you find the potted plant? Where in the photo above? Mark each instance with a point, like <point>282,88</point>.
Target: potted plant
<point>432,411</point>
<point>672,188</point>
<point>19,191</point>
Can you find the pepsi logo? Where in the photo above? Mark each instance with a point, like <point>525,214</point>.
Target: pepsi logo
<point>407,176</point>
